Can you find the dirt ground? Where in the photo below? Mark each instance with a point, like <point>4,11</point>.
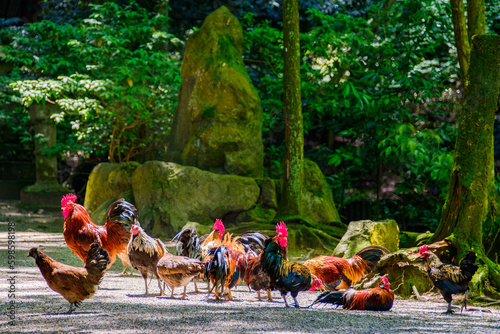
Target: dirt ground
<point>30,306</point>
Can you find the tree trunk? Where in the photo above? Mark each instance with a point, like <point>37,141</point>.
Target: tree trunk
<point>461,36</point>
<point>162,8</point>
<point>476,18</point>
<point>471,189</point>
<point>294,133</point>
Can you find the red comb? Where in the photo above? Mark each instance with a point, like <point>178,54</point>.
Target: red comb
<point>384,280</point>
<point>281,228</point>
<point>219,226</point>
<point>68,199</point>
<point>423,248</point>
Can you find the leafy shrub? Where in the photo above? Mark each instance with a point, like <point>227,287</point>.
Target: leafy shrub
<point>373,104</point>
<point>118,81</point>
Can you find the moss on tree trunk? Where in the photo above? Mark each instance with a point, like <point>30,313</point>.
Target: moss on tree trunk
<point>294,136</point>
<point>461,37</point>
<point>471,195</point>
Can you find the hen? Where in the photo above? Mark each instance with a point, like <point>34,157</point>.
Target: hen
<point>80,232</point>
<point>379,298</point>
<point>286,276</point>
<point>338,273</point>
<point>450,279</point>
<point>144,252</point>
<point>178,271</point>
<point>75,284</point>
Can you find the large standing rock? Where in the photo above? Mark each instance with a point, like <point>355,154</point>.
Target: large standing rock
<point>218,123</point>
<point>107,181</point>
<point>317,198</point>
<point>363,233</point>
<point>169,195</point>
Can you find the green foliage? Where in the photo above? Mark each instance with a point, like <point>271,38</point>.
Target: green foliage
<point>377,88</point>
<point>112,75</point>
<point>372,102</point>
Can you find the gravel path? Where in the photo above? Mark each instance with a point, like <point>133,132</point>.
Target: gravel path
<point>119,307</point>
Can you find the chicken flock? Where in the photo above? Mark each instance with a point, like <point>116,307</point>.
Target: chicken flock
<point>224,260</point>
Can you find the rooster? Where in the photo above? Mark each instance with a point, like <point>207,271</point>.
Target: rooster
<point>450,279</point>
<point>212,240</point>
<point>80,232</point>
<point>225,266</point>
<point>189,244</point>
<point>75,284</point>
<point>253,242</point>
<point>178,271</point>
<point>338,273</point>
<point>286,276</point>
<point>379,298</point>
<point>144,253</point>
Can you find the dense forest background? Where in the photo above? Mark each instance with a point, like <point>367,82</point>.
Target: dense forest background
<point>381,89</point>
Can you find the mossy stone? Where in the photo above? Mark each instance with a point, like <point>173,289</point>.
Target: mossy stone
<point>363,233</point>
<point>218,123</point>
<point>317,197</point>
<point>169,195</point>
<point>108,180</point>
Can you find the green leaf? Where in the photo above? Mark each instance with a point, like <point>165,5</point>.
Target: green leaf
<point>345,92</point>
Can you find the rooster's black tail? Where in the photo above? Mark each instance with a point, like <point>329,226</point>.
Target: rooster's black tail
<point>217,267</point>
<point>333,297</point>
<point>123,213</point>
<point>468,265</point>
<point>371,255</point>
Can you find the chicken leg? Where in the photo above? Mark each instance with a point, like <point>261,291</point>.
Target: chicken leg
<point>269,297</point>
<point>195,287</point>
<point>284,298</point>
<point>465,301</point>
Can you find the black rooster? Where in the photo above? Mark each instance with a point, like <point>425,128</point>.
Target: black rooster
<point>450,279</point>
<point>286,276</point>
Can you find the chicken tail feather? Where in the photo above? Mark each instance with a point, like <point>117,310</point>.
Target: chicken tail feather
<point>333,297</point>
<point>371,255</point>
<point>97,262</point>
<point>123,213</point>
<point>217,267</point>
<point>468,266</point>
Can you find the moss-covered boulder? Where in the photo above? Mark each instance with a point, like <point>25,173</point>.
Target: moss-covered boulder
<point>363,233</point>
<point>317,198</point>
<point>169,195</point>
<point>107,181</point>
<point>218,123</point>
<point>406,272</point>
